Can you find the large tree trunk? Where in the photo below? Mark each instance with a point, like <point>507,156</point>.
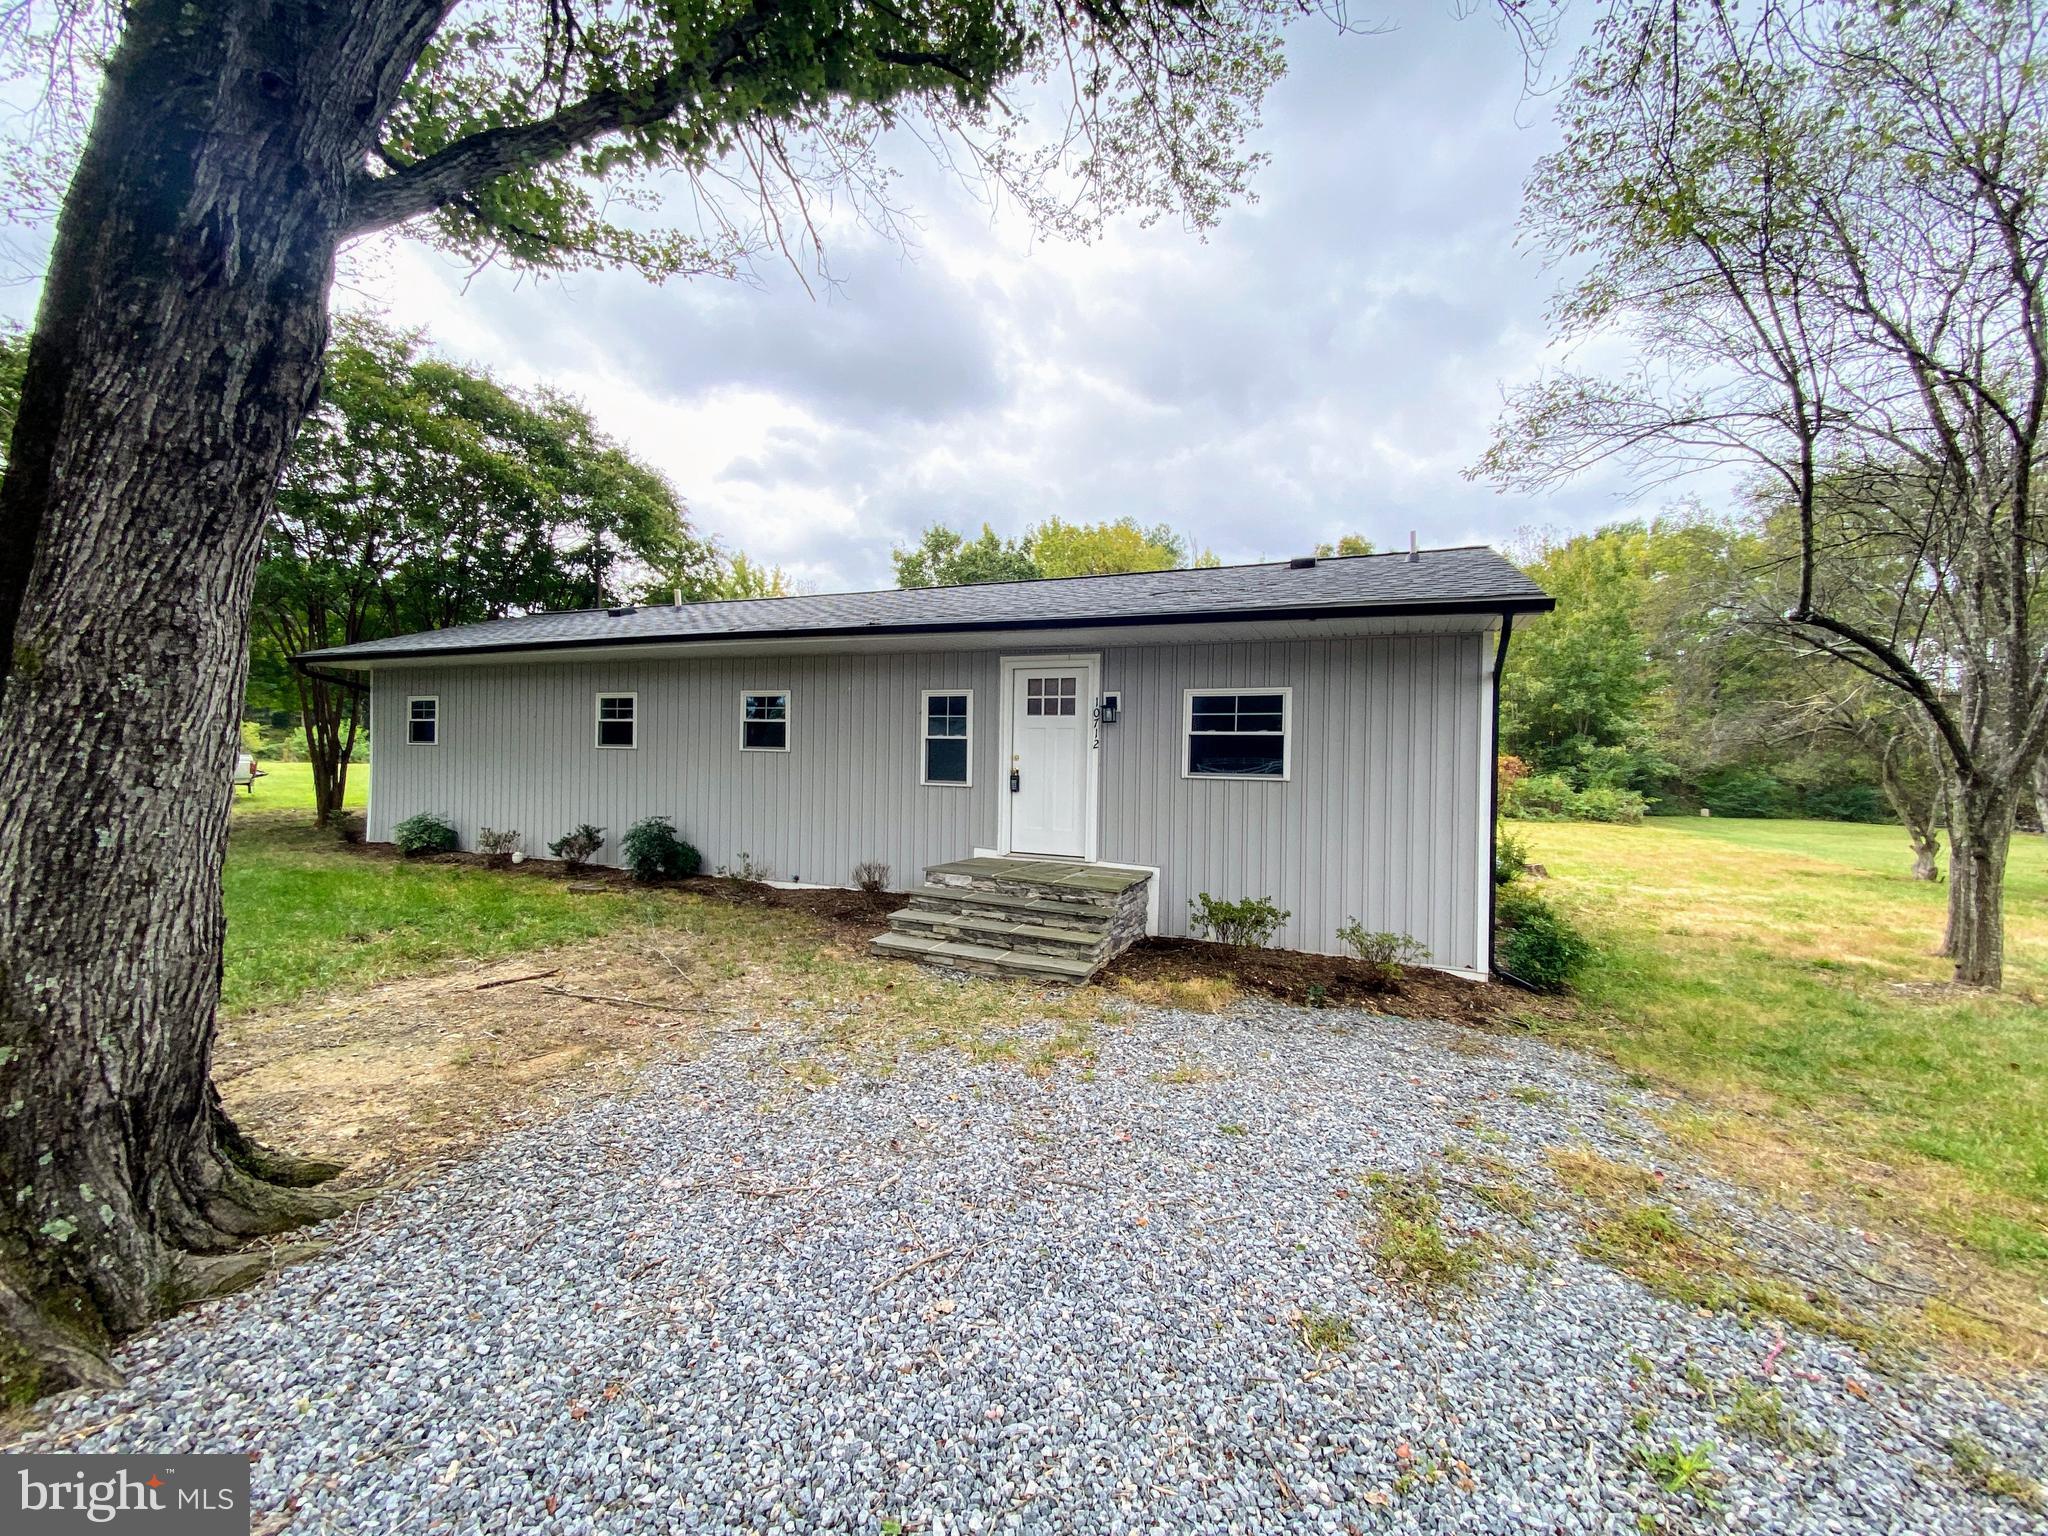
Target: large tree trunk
<point>331,712</point>
<point>177,349</point>
<point>1980,833</point>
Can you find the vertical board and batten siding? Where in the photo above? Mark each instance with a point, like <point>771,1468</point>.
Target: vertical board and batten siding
<point>516,751</point>
<point>1383,816</point>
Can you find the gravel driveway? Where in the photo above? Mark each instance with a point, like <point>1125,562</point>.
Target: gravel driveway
<point>961,1298</point>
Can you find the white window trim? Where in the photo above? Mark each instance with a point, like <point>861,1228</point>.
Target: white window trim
<point>924,736</point>
<point>1187,731</point>
<point>597,723</point>
<point>423,698</point>
<point>788,717</point>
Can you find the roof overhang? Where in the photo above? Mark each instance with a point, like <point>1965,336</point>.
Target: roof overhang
<point>1461,617</point>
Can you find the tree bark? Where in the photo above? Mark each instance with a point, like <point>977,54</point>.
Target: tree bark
<point>1980,834</point>
<point>332,713</point>
<point>1920,817</point>
<point>175,353</point>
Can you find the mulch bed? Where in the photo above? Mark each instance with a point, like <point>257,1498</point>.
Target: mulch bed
<point>1292,977</point>
<point>1288,975</point>
<point>864,913</point>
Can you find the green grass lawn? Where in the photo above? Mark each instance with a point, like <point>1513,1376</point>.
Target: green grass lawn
<point>301,918</point>
<point>1785,970</point>
<point>289,787</point>
<point>304,917</point>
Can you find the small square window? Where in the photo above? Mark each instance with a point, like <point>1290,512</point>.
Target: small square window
<point>764,722</point>
<point>948,731</point>
<point>423,722</point>
<point>618,720</point>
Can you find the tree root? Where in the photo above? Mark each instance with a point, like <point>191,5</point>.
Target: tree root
<point>204,1276</point>
<point>36,1356</point>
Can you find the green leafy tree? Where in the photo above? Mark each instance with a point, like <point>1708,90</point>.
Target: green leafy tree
<point>13,364</point>
<point>943,558</point>
<point>208,167</point>
<point>1349,544</point>
<point>1823,229</point>
<point>725,576</point>
<point>421,495</point>
<point>1582,692</point>
<point>1060,548</point>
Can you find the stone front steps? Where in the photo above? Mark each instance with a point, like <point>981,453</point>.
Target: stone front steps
<point>1036,919</point>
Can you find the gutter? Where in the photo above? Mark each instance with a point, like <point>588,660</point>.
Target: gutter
<point>1504,607</point>
<point>300,665</point>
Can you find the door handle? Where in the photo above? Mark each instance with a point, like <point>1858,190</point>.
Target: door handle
<point>1016,781</point>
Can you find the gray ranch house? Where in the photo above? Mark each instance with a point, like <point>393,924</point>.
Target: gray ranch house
<point>1051,767</point>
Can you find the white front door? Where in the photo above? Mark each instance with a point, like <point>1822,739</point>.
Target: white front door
<point>1051,713</point>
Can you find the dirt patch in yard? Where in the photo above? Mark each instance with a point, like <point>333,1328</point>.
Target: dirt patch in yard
<point>420,1069</point>
<point>1334,981</point>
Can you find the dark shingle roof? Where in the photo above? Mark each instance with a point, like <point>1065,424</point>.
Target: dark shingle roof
<point>1472,579</point>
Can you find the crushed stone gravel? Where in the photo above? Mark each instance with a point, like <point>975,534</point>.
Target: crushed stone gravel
<point>959,1298</point>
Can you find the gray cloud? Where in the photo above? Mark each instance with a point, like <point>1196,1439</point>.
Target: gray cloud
<point>1326,361</point>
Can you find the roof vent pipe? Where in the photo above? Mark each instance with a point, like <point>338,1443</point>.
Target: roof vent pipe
<point>678,598</point>
<point>1301,562</point>
<point>1414,554</point>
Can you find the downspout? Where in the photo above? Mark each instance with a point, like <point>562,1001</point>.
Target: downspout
<point>1500,661</point>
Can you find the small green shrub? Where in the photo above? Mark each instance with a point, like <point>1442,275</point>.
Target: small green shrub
<point>871,875</point>
<point>424,834</point>
<point>1553,797</point>
<point>1252,921</point>
<point>578,848</point>
<point>1384,954</point>
<point>654,852</point>
<point>1510,857</point>
<point>496,847</point>
<point>1535,943</point>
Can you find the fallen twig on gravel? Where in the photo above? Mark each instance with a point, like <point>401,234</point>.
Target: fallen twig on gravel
<point>506,981</point>
<point>912,1268</point>
<point>627,1002</point>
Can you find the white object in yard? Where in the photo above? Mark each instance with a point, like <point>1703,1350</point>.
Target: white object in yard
<point>246,771</point>
<point>518,856</point>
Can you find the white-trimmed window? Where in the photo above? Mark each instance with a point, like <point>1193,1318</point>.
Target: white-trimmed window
<point>423,721</point>
<point>1238,733</point>
<point>948,737</point>
<point>618,719</point>
<point>764,721</point>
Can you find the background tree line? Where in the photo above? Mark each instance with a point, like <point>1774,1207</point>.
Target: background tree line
<point>1665,684</point>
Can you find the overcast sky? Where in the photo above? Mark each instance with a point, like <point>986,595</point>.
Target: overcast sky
<point>1327,361</point>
